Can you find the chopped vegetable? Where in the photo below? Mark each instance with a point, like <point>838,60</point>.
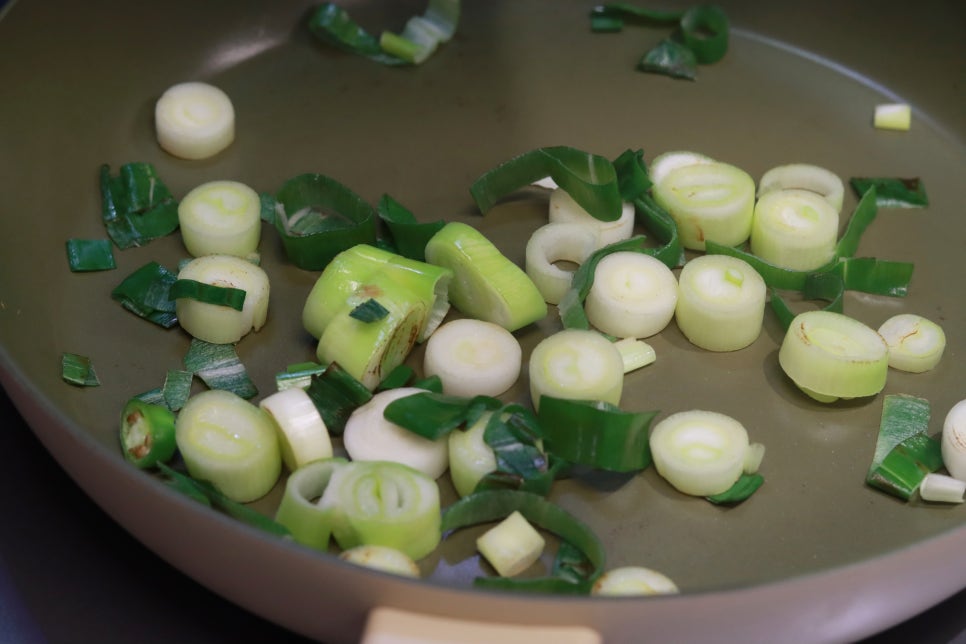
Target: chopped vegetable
<point>557,242</point>
<point>85,255</point>
<point>578,365</point>
<point>230,442</point>
<point>904,454</point>
<point>136,206</point>
<point>221,218</point>
<point>564,209</point>
<point>721,303</point>
<point>633,580</point>
<point>145,292</point>
<point>302,435</point>
<point>633,295</point>
<point>216,322</point>
<point>336,395</point>
<point>744,487</point>
<point>939,488</point>
<point>369,311</point>
<point>892,116</point>
<point>177,388</point>
<point>804,176</point>
<point>487,285</point>
<point>795,229</point>
<point>635,353</point>
<point>209,293</point>
<point>954,440</point>
<point>147,433</point>
<point>666,162</point>
<point>219,367</point>
<point>512,546</point>
<point>78,370</point>
<point>382,558</point>
<point>194,120</point>
<point>299,510</point>
<point>470,458</point>
<point>893,192</point>
<point>473,357</point>
<point>297,375</point>
<point>408,235</point>
<point>830,356</point>
<point>916,344</point>
<point>670,58</point>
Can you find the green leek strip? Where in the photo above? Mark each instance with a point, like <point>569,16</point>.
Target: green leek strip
<point>671,58</point>
<point>903,416</point>
<point>177,388</point>
<point>297,375</point>
<point>145,293</point>
<point>208,293</point>
<point>332,25</point>
<point>78,370</point>
<point>299,510</point>
<point>409,236</point>
<point>219,367</point>
<point>744,487</point>
<point>401,376</point>
<point>423,34</point>
<point>433,415</point>
<point>571,563</point>
<point>147,433</point>
<point>893,192</point>
<point>632,177</point>
<point>369,311</point>
<point>152,396</point>
<point>136,205</point>
<point>317,218</point>
<point>704,30</point>
<point>904,468</point>
<point>596,434</point>
<point>205,493</point>
<point>590,179</point>
<point>84,255</point>
<point>336,394</point>
<point>514,435</point>
<point>495,505</point>
<point>862,216</point>
<point>664,229</point>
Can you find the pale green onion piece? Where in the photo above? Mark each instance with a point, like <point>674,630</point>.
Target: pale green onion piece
<point>369,436</point>
<point>633,580</point>
<point>512,546</point>
<point>834,356</point>
<point>220,218</point>
<point>219,367</point>
<point>299,509</point>
<point>487,285</point>
<point>721,303</point>
<point>563,209</point>
<point>222,324</point>
<point>664,163</point>
<point>954,441</point>
<point>633,295</point>
<point>794,229</point>
<point>892,116</point>
<point>939,488</point>
<point>708,201</point>
<point>635,353</point>
<point>470,458</point>
<point>576,364</point>
<point>473,357</point>
<point>382,558</point>
<point>194,120</point>
<point>553,243</point>
<point>701,453</point>
<point>297,375</point>
<point>78,370</point>
<point>916,344</point>
<point>804,176</point>
<point>385,504</point>
<point>302,434</point>
<point>753,457</point>
<point>228,441</point>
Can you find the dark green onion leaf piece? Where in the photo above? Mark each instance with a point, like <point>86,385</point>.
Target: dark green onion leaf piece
<point>146,293</point>
<point>671,58</point>
<point>297,375</point>
<point>332,25</point>
<point>744,487</point>
<point>78,370</point>
<point>84,255</point>
<point>904,453</point>
<point>495,505</point>
<point>176,388</point>
<point>208,293</point>
<point>513,433</point>
<point>571,306</point>
<point>409,236</point>
<point>400,376</point>
<point>369,311</point>
<point>219,367</point>
<point>136,205</point>
<point>147,433</point>
<point>893,192</point>
<point>434,416</point>
<point>336,394</point>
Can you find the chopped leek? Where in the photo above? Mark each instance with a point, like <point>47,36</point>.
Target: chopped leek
<point>635,353</point>
<point>302,435</point>
<point>804,176</point>
<point>85,255</point>
<point>221,322</point>
<point>893,192</point>
<point>939,488</point>
<point>578,365</point>
<point>633,295</point>
<point>470,458</point>
<point>230,442</point>
<point>666,162</point>
<point>916,344</point>
<point>563,208</point>
<point>511,546</point>
<point>556,242</point>
<point>145,292</point>
<point>297,375</point>
<point>177,388</point>
<point>369,311</point>
<point>136,206</point>
<point>220,218</point>
<point>336,395</point>
<point>473,357</point>
<point>194,120</point>
<point>902,470</point>
<point>332,25</point>
<point>744,487</point>
<point>633,580</point>
<point>299,510</point>
<point>147,433</point>
<point>408,235</point>
<point>219,367</point>
<point>78,370</point>
<point>671,58</point>
<point>892,116</point>
<point>209,293</point>
<point>954,440</point>
<point>795,229</point>
<point>382,558</point>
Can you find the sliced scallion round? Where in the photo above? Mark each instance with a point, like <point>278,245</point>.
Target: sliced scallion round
<point>954,441</point>
<point>804,176</point>
<point>299,509</point>
<point>220,218</point>
<point>223,324</point>
<point>557,242</point>
<point>794,229</point>
<point>633,580</point>
<point>892,116</point>
<point>633,295</point>
<point>302,434</point>
<point>916,344</point>
<point>473,357</point>
<point>576,364</point>
<point>663,164</point>
<point>564,209</point>
<point>194,120</point>
<point>470,458</point>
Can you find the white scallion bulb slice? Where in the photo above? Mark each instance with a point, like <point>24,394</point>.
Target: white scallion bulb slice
<point>954,441</point>
<point>916,344</point>
<point>804,176</point>
<point>303,436</point>
<point>557,242</point>
<point>230,442</point>
<point>382,558</point>
<point>939,488</point>
<point>633,295</point>
<point>563,209</point>
<point>834,356</point>
<point>578,365</point>
<point>794,229</point>
<point>708,201</point>
<point>222,324</point>
<point>701,453</point>
<point>473,357</point>
<point>470,458</point>
<point>721,302</point>
<point>220,218</point>
<point>369,436</point>
<point>512,546</point>
<point>633,580</point>
<point>664,163</point>
<point>194,120</point>
<point>892,116</point>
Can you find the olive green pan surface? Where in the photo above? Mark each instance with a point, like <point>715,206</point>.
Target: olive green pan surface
<point>815,554</point>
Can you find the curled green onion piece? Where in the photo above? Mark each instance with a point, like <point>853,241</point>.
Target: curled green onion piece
<point>145,292</point>
<point>332,25</point>
<point>136,205</point>
<point>704,30</point>
<point>409,236</point>
<point>209,293</point>
<point>893,192</point>
<point>219,367</point>
<point>78,370</point>
<point>336,394</point>
<point>85,255</point>
<point>495,505</point>
<point>147,433</point>
<point>514,435</point>
<point>744,487</point>
<point>300,512</point>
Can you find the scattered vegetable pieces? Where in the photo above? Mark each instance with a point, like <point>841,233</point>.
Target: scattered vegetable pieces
<point>194,120</point>
<point>147,433</point>
<point>904,453</point>
<point>85,255</point>
<point>146,293</point>
<point>78,370</point>
<point>954,440</point>
<point>219,367</point>
<point>136,205</point>
<point>512,546</point>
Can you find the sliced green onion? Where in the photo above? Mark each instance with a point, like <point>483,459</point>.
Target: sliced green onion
<point>332,25</point>
<point>939,488</point>
<point>219,367</point>
<point>794,229</point>
<point>487,285</point>
<point>660,223</point>
<point>136,205</point>
<point>317,218</point>
<point>85,255</point>
<point>473,357</point>
<point>299,510</point>
<point>145,292</point>
<point>721,303</point>
<point>633,295</point>
<point>470,458</point>
<point>434,415</point>
<point>369,311</point>
<point>336,394</point>
<point>230,442</point>
<point>221,321</point>
<point>954,440</point>
<point>221,218</point>
<point>398,377</point>
<point>804,176</point>
<point>892,116</point>
<point>177,388</point>
<point>194,120</point>
<point>633,580</point>
<point>382,558</point>
<point>78,370</point>
<point>556,242</point>
<point>511,546</point>
<point>635,353</point>
<point>671,58</point>
<point>863,215</point>
<point>147,433</point>
<point>515,436</point>
<point>423,34</point>
<point>297,375</point>
<point>744,487</point>
<point>893,192</point>
<point>408,235</point>
<point>578,365</point>
<point>834,356</point>
<point>302,434</point>
<point>663,164</point>
<point>385,504</point>
<point>564,209</point>
<point>596,434</point>
<point>916,344</point>
<point>704,30</point>
<point>901,472</point>
<point>209,293</point>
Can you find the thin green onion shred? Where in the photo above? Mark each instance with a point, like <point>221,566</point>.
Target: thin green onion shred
<point>369,311</point>
<point>514,433</point>
<point>78,370</point>
<point>744,487</point>
<point>84,255</point>
<point>219,367</point>
<point>177,388</point>
<point>146,293</point>
<point>208,293</point>
<point>297,375</point>
<point>136,205</point>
